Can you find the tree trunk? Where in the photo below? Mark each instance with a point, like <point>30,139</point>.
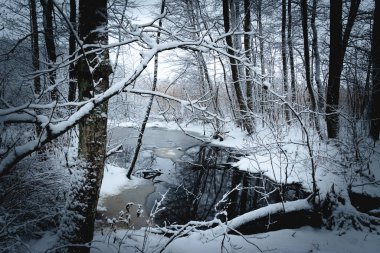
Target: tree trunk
<point>338,46</point>
<point>47,7</point>
<point>307,63</point>
<point>284,58</point>
<point>375,108</point>
<point>262,60</point>
<point>318,80</point>
<point>147,113</point>
<point>246,121</point>
<point>78,225</point>
<point>248,53</point>
<point>291,56</point>
<point>72,47</point>
<point>333,86</point>
<point>35,46</point>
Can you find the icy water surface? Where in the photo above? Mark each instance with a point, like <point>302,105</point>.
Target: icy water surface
<point>196,181</point>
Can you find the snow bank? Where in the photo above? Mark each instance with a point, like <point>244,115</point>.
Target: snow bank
<point>115,180</point>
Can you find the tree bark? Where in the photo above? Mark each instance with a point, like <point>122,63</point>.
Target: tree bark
<point>35,46</point>
<point>246,121</point>
<point>72,47</point>
<point>262,60</point>
<point>284,57</point>
<point>375,108</point>
<point>248,53</point>
<point>317,57</point>
<point>291,55</point>
<point>333,86</point>
<point>78,225</point>
<point>338,46</point>
<point>147,113</point>
<point>307,62</point>
<point>47,7</point>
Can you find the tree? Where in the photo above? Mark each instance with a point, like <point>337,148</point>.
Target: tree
<point>47,7</point>
<point>291,55</point>
<point>248,53</point>
<point>243,109</point>
<point>338,46</point>
<point>284,55</point>
<point>307,62</point>
<point>148,109</point>
<point>92,74</point>
<point>35,47</point>
<point>317,57</point>
<point>72,47</point>
<point>375,107</point>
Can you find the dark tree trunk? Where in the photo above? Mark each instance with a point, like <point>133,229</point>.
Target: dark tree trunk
<point>92,130</point>
<point>284,57</point>
<point>354,7</point>
<point>291,57</point>
<point>35,47</point>
<point>375,108</point>
<point>72,47</point>
<point>333,86</point>
<point>47,7</point>
<point>338,46</point>
<point>147,112</point>
<point>246,120</point>
<point>248,53</point>
<point>263,93</point>
<point>307,62</point>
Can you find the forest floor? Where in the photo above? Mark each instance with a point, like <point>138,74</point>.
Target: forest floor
<point>267,152</point>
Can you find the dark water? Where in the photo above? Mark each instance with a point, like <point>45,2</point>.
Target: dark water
<point>198,180</point>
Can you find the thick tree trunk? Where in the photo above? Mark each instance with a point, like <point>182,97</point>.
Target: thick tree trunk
<point>284,57</point>
<point>338,46</point>
<point>35,47</point>
<point>246,120</point>
<point>291,56</point>
<point>78,225</point>
<point>72,47</point>
<point>47,7</point>
<point>333,86</point>
<point>375,108</point>
<point>307,63</point>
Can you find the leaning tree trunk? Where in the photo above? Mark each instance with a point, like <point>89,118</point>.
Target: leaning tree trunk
<point>375,108</point>
<point>77,226</point>
<point>148,109</point>
<point>246,120</point>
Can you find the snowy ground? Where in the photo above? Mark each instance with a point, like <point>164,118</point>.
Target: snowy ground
<point>272,152</point>
<point>300,240</point>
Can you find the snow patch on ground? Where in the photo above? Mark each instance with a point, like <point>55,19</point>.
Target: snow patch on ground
<point>115,181</point>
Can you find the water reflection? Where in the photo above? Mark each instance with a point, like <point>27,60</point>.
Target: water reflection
<point>198,179</point>
<point>199,190</point>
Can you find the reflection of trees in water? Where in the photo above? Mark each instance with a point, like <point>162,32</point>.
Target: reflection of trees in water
<point>200,187</point>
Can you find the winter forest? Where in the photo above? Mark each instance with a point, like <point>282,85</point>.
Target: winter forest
<point>189,126</point>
